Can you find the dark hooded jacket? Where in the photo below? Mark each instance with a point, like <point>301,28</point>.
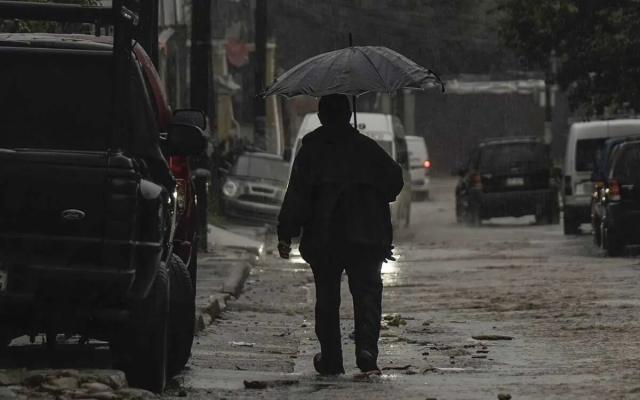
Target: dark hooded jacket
<point>339,193</point>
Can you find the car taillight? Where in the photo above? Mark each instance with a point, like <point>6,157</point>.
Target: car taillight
<point>181,195</point>
<point>179,166</point>
<point>477,180</point>
<point>614,190</point>
<point>427,164</point>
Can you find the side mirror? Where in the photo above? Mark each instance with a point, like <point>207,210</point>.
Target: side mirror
<point>190,117</point>
<point>185,140</point>
<point>286,156</point>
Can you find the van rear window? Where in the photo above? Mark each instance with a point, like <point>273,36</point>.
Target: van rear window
<point>589,154</point>
<point>505,157</point>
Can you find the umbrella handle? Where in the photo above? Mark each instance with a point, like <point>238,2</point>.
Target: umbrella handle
<point>355,114</point>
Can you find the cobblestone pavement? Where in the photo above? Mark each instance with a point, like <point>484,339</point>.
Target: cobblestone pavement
<point>569,312</point>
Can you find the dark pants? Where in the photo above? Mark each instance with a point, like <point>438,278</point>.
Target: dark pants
<point>365,284</point>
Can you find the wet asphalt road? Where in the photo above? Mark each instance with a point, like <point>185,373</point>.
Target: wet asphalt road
<point>572,314</point>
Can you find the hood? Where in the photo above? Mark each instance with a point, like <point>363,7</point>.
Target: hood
<point>331,134</point>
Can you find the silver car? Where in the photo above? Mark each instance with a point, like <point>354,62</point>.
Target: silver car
<point>255,186</point>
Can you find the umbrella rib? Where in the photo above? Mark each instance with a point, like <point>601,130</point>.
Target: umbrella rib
<point>329,69</point>
<point>374,67</point>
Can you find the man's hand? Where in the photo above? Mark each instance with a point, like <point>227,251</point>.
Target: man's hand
<point>284,249</point>
<point>389,256</point>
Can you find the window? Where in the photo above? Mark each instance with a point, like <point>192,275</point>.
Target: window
<point>588,154</point>
<point>508,156</point>
<point>260,167</point>
<point>63,102</point>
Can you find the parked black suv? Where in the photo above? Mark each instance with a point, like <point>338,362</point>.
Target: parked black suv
<point>88,205</point>
<point>621,200</point>
<point>600,180</point>
<point>508,177</point>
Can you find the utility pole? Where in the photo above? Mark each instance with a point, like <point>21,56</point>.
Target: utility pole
<point>550,76</point>
<point>260,106</point>
<point>202,98</point>
<point>149,13</point>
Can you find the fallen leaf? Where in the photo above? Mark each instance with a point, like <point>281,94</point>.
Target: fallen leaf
<point>492,337</point>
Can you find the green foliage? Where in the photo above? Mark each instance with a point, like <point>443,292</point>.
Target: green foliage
<point>596,45</point>
<point>15,26</point>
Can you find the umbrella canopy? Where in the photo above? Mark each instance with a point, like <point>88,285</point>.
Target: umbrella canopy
<point>353,71</point>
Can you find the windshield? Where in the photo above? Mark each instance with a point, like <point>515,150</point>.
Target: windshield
<point>261,168</point>
<point>510,156</point>
<point>589,154</point>
<point>61,104</point>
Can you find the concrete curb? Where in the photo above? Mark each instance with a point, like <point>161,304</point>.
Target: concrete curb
<point>235,282</point>
<point>231,290</point>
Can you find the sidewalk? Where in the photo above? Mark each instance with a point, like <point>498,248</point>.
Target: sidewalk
<point>225,267</point>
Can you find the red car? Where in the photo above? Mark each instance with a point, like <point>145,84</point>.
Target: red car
<point>182,313</point>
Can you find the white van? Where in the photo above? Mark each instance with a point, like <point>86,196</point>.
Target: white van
<point>584,144</point>
<point>388,131</point>
<point>420,164</point>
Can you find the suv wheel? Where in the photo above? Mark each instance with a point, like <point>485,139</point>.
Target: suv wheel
<point>597,233</point>
<point>474,215</point>
<point>182,317</point>
<point>459,212</point>
<point>193,266</point>
<point>615,248</point>
<point>571,227</point>
<point>142,347</point>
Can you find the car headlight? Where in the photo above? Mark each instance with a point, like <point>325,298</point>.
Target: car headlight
<point>230,189</point>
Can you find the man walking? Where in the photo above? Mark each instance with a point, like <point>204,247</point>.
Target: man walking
<point>338,201</point>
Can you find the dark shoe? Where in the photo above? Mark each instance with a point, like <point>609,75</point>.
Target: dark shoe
<point>367,362</point>
<point>323,369</point>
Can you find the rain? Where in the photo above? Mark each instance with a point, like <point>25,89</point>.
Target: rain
<point>319,199</point>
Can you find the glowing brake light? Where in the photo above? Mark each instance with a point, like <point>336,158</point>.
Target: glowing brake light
<point>427,164</point>
<point>477,180</point>
<point>614,190</point>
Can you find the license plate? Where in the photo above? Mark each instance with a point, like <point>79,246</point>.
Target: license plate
<point>515,181</point>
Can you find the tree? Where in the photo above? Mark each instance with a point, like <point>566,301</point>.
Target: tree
<point>595,45</point>
<point>15,26</point>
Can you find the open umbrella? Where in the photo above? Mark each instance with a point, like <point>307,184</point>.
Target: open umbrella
<point>353,71</point>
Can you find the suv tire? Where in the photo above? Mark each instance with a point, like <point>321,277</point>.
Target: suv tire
<point>571,227</point>
<point>143,346</point>
<point>182,317</point>
<point>614,247</point>
<point>193,265</point>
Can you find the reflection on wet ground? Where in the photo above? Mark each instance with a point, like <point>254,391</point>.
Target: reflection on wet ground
<point>505,308</point>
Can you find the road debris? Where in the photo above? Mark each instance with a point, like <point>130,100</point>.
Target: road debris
<point>397,321</point>
<point>492,337</point>
<point>242,344</point>
<point>392,368</point>
<point>504,396</point>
